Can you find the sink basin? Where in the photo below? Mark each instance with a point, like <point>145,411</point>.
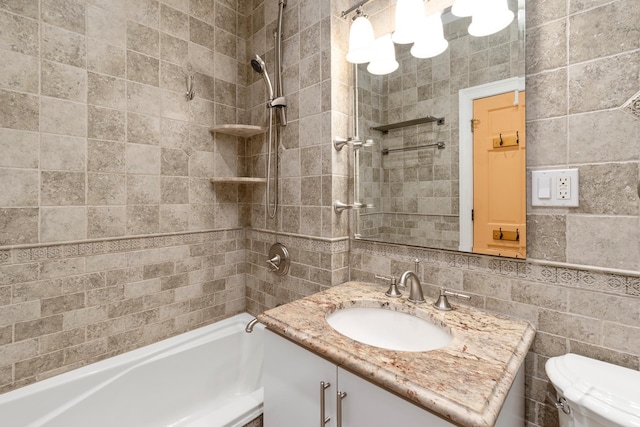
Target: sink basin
<point>388,329</point>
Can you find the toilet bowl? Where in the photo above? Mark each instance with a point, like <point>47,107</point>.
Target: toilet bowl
<point>592,393</point>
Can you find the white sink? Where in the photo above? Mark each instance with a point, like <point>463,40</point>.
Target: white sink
<point>388,329</point>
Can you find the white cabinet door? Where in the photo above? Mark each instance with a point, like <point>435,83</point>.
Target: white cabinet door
<point>292,394</point>
<point>292,377</point>
<point>367,405</point>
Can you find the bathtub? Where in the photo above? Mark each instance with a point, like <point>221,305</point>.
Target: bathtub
<point>210,377</point>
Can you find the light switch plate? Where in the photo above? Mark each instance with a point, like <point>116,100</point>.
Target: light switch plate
<point>554,187</point>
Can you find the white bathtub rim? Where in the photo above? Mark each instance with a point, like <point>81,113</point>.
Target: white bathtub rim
<point>125,362</point>
<point>224,416</point>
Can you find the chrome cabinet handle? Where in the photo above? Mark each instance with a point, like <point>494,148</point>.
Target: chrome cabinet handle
<point>323,419</point>
<point>341,395</point>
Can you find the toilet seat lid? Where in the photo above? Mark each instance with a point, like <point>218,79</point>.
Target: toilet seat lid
<point>611,391</point>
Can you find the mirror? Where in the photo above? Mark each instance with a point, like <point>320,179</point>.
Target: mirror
<point>417,179</point>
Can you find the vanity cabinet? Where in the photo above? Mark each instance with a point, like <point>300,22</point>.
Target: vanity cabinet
<point>293,391</point>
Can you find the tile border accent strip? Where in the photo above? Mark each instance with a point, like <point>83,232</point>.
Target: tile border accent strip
<point>309,243</point>
<point>85,248</point>
<point>585,278</point>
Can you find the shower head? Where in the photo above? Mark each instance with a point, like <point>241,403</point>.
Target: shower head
<point>259,66</point>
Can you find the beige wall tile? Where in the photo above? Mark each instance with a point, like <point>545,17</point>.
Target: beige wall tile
<point>106,189</point>
<point>106,124</point>
<point>553,84</point>
<point>21,187</point>
<point>105,58</point>
<point>61,268</point>
<point>20,34</point>
<point>62,188</point>
<point>63,117</point>
<point>143,190</point>
<point>142,159</point>
<point>547,47</point>
<point>620,37</point>
<point>143,39</point>
<point>20,111</point>
<point>174,22</point>
<point>106,221</point>
<point>145,12</point>
<point>63,224</point>
<point>63,153</point>
<point>68,14</point>
<point>142,69</point>
<point>173,49</point>
<point>12,353</point>
<point>592,238</point>
<point>18,226</point>
<point>20,149</point>
<point>621,337</point>
<point>143,99</point>
<point>107,25</point>
<point>610,81</point>
<point>143,219</point>
<point>19,72</point>
<point>28,8</point>
<point>63,46</point>
<point>106,156</point>
<point>106,91</point>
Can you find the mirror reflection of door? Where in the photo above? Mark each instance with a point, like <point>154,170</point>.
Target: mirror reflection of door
<point>499,175</point>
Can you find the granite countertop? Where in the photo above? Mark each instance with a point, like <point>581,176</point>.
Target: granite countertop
<point>466,381</point>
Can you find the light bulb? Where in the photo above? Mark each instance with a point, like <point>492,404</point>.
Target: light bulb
<point>491,18</point>
<point>384,57</point>
<point>430,39</point>
<point>463,8</point>
<point>408,13</point>
<point>361,41</point>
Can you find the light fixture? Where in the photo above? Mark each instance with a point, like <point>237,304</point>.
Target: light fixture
<point>430,39</point>
<point>463,8</point>
<point>361,39</point>
<point>491,18</point>
<point>424,31</point>
<point>384,57</point>
<point>408,13</point>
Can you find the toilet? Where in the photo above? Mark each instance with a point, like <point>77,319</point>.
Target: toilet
<point>591,393</point>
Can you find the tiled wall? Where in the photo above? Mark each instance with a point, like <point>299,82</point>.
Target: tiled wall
<point>317,90</point>
<point>583,79</point>
<point>99,138</point>
<point>107,213</point>
<point>317,87</point>
<point>316,264</point>
<point>67,305</point>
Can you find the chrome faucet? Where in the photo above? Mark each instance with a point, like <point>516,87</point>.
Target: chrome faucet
<point>415,291</point>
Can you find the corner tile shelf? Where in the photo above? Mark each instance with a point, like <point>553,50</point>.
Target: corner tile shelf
<point>243,131</point>
<point>237,180</point>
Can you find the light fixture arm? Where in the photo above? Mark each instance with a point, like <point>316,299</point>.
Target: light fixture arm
<point>354,7</point>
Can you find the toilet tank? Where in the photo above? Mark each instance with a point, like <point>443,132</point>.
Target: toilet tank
<point>598,394</point>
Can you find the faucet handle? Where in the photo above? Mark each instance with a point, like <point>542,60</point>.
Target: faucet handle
<point>393,291</point>
<point>443,303</point>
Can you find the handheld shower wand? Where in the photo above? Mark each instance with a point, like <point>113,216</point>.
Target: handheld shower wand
<point>259,66</point>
